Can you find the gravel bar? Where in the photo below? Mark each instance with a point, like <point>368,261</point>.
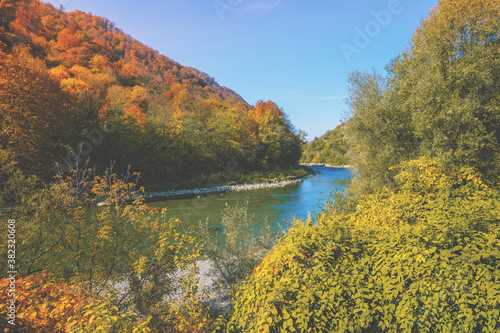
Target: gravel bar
<point>219,189</point>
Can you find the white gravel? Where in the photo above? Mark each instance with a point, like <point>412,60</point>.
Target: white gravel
<point>327,165</point>
<point>220,189</point>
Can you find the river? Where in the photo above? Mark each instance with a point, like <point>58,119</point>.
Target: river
<point>274,205</point>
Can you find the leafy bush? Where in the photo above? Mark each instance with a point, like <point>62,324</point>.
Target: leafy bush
<point>95,232</point>
<point>235,258</point>
<point>425,258</point>
<point>46,306</point>
<point>14,186</point>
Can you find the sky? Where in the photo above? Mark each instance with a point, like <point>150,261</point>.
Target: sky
<point>296,53</point>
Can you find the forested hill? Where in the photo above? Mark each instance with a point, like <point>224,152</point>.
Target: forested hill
<point>328,148</point>
<point>79,38</point>
<point>65,74</point>
<point>225,91</point>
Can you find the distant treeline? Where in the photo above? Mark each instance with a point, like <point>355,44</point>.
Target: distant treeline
<point>328,149</point>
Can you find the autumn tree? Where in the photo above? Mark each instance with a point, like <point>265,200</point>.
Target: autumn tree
<point>169,120</point>
<point>280,146</point>
<point>35,115</point>
<point>7,15</point>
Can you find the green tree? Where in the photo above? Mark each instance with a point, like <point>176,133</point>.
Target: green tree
<point>448,80</point>
<point>440,98</point>
<point>378,134</point>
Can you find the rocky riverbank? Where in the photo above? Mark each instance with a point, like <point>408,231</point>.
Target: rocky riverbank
<point>326,165</point>
<point>218,189</point>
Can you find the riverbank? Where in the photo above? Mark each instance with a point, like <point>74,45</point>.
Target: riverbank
<point>326,165</point>
<point>219,189</point>
<point>225,182</point>
<point>230,177</point>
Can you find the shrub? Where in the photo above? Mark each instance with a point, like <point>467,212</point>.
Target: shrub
<point>43,305</point>
<point>120,250</point>
<point>424,258</point>
<point>14,185</point>
<point>235,258</point>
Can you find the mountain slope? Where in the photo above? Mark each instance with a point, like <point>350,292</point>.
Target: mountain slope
<point>225,91</point>
<point>169,121</point>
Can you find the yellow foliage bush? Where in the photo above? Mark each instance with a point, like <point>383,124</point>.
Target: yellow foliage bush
<point>46,306</point>
<point>422,258</point>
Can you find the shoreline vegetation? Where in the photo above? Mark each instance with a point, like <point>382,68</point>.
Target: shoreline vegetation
<point>240,182</point>
<point>264,182</point>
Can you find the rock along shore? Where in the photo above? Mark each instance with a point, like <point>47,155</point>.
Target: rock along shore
<point>219,189</point>
<point>327,165</point>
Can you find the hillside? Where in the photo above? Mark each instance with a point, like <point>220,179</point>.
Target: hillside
<point>229,94</point>
<point>328,149</point>
<point>94,88</point>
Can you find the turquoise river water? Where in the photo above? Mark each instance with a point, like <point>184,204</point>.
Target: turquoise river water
<point>275,205</point>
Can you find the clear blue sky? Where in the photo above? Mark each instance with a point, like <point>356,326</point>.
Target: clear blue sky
<point>296,53</point>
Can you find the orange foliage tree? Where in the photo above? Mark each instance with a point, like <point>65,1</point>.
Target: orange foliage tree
<point>35,115</point>
<point>43,305</point>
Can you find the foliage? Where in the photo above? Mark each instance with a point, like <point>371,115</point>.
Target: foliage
<point>279,145</point>
<point>120,249</point>
<point>374,143</point>
<point>418,248</point>
<point>425,258</point>
<point>235,258</point>
<point>327,149</point>
<point>46,306</point>
<point>14,185</point>
<point>166,120</point>
<point>34,112</point>
<point>440,98</point>
<point>7,15</point>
